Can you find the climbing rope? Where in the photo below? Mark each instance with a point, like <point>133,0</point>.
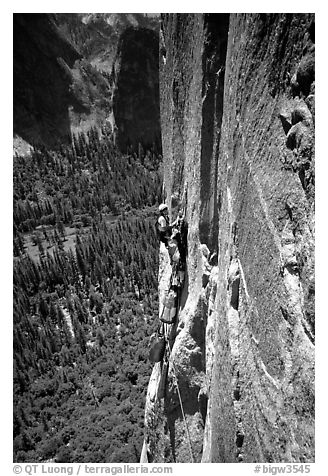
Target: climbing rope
<point>181,405</point>
<point>175,379</point>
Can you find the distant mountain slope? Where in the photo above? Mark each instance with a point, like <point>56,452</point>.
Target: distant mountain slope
<point>61,72</point>
<point>55,89</point>
<point>41,53</point>
<point>96,35</point>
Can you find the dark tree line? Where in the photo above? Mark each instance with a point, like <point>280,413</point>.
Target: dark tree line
<point>80,181</point>
<point>83,317</point>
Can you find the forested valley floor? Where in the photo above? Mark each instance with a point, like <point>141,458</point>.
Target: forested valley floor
<point>85,300</point>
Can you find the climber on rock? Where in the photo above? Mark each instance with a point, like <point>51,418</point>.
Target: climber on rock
<point>207,268</point>
<point>174,236</point>
<point>165,229</point>
<point>163,226</point>
<point>178,243</point>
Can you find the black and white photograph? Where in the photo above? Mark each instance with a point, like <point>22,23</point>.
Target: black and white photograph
<point>163,241</point>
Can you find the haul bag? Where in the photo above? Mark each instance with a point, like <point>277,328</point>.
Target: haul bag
<point>174,251</point>
<point>170,308</point>
<point>162,382</point>
<point>157,349</point>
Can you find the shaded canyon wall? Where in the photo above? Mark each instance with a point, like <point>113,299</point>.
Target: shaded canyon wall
<point>42,83</point>
<point>136,90</point>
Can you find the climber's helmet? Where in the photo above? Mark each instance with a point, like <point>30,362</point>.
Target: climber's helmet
<point>162,207</point>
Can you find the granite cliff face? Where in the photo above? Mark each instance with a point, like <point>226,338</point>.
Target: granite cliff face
<point>237,117</point>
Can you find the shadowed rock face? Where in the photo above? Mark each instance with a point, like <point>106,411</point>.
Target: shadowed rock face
<point>42,62</point>
<point>243,350</point>
<point>96,35</point>
<point>62,83</point>
<point>136,94</point>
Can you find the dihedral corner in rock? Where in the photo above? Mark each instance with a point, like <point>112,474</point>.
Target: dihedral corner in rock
<point>237,118</point>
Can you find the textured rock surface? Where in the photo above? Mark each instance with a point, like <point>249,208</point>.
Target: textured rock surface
<point>243,349</point>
